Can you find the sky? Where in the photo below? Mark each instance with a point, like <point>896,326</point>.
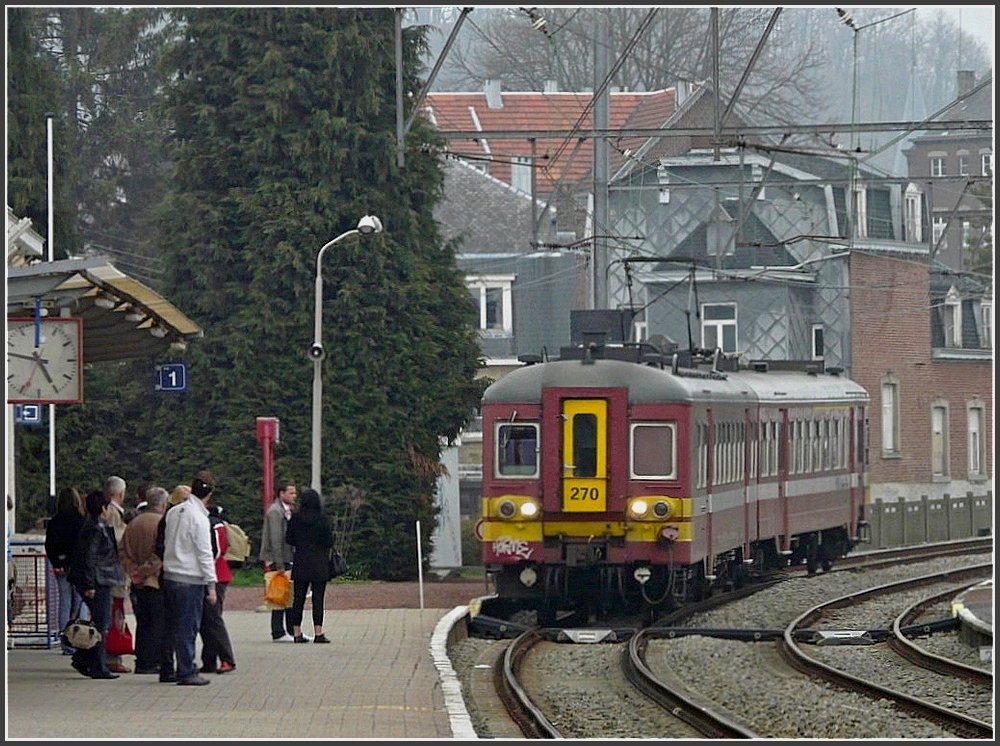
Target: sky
<point>977,20</point>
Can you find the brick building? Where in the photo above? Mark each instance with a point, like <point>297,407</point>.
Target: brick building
<point>931,416</point>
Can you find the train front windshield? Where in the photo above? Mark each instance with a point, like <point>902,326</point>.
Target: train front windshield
<point>517,450</point>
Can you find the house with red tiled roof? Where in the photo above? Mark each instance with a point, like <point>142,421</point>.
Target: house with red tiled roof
<point>561,163</point>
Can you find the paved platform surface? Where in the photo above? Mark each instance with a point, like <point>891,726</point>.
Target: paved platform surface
<point>974,608</point>
<point>385,676</point>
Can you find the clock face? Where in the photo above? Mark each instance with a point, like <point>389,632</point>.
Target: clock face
<point>45,362</point>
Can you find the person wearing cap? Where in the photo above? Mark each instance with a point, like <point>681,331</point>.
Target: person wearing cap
<point>276,553</point>
<point>188,574</point>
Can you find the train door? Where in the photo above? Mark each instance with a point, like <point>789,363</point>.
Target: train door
<point>584,455</point>
<point>751,422</point>
<point>784,466</point>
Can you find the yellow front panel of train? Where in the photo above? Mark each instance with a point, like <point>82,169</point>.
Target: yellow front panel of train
<point>584,455</point>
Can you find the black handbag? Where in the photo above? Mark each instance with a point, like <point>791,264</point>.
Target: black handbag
<point>338,565</point>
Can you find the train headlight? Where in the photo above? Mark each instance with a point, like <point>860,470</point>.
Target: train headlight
<point>638,508</point>
<point>652,508</point>
<point>514,507</point>
<point>661,509</point>
<point>529,509</point>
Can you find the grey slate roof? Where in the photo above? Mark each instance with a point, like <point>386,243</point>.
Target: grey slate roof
<point>757,246</point>
<point>485,214</point>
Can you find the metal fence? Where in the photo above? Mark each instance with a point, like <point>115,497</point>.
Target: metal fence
<point>34,601</point>
<point>901,522</point>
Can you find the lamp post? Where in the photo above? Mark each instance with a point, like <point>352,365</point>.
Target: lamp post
<point>367,226</point>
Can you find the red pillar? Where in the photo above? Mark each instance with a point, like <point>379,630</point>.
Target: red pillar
<point>267,436</point>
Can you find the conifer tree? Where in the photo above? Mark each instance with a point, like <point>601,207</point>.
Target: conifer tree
<point>285,136</point>
<point>33,91</point>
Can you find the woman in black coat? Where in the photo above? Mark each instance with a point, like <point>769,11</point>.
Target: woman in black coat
<point>94,571</point>
<point>61,534</point>
<point>310,536</point>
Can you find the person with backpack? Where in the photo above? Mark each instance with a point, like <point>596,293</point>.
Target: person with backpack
<point>216,647</point>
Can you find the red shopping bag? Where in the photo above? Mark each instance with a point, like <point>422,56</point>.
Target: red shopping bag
<point>119,640</point>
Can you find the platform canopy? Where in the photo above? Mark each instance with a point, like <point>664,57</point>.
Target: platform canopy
<point>122,318</point>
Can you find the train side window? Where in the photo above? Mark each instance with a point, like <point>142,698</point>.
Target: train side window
<point>764,450</point>
<point>775,447</point>
<point>517,450</point>
<point>702,455</point>
<point>817,444</point>
<point>781,451</point>
<point>795,447</point>
<point>653,452</point>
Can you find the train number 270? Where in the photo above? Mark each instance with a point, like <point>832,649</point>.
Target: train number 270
<point>584,493</point>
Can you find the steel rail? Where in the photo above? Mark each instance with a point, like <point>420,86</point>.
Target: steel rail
<point>797,658</point>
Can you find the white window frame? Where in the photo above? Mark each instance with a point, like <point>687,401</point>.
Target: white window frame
<point>940,226</point>
<point>986,323</point>
<point>940,455</point>
<point>937,166</point>
<point>914,214</point>
<point>520,173</point>
<point>976,433</point>
<point>860,212</point>
<point>818,342</point>
<point>479,285</point>
<point>963,162</point>
<point>497,460</point>
<point>951,319</point>
<point>720,326</point>
<point>986,162</point>
<point>889,402</point>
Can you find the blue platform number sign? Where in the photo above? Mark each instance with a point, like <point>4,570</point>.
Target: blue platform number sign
<point>28,414</point>
<point>171,378</point>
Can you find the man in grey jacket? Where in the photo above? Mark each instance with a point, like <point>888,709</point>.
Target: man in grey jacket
<point>276,553</point>
<point>188,573</point>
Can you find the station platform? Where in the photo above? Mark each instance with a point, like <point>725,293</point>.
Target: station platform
<point>974,608</point>
<point>386,676</point>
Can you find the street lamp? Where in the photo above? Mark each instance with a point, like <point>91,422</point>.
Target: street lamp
<point>367,226</point>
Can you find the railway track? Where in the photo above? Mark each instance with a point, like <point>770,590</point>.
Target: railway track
<point>691,714</point>
<point>632,703</point>
<point>906,628</point>
<point>957,722</point>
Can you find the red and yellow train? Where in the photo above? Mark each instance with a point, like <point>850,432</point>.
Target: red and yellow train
<point>615,482</point>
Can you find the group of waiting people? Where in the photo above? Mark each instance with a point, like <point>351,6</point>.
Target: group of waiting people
<point>167,556</point>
